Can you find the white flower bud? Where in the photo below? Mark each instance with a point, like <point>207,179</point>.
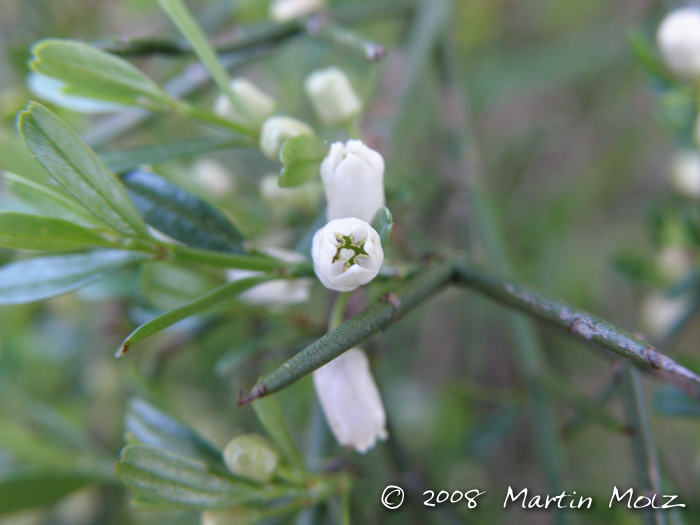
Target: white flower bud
<point>259,104</point>
<point>660,313</point>
<point>282,11</point>
<point>351,401</point>
<point>278,293</point>
<point>678,38</point>
<point>275,130</point>
<point>674,262</point>
<point>685,173</point>
<point>303,196</point>
<point>251,456</point>
<point>347,253</point>
<point>213,176</point>
<point>353,180</point>
<point>332,96</point>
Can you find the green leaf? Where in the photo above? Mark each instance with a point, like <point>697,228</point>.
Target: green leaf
<point>383,224</point>
<point>25,488</point>
<point>181,215</point>
<point>90,72</point>
<point>183,20</point>
<point>272,419</point>
<point>33,232</point>
<point>644,53</point>
<point>167,286</point>
<point>162,476</point>
<point>39,278</point>
<point>150,426</point>
<point>673,402</point>
<point>216,296</point>
<point>47,201</point>
<point>301,158</point>
<point>78,169</point>
<point>126,160</point>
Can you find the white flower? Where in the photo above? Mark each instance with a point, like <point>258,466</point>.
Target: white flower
<point>660,313</point>
<point>286,10</point>
<point>259,104</point>
<point>347,253</point>
<point>278,293</point>
<point>213,176</point>
<point>303,196</point>
<point>351,401</point>
<point>685,173</point>
<point>353,180</point>
<point>678,38</point>
<point>275,130</point>
<point>332,96</point>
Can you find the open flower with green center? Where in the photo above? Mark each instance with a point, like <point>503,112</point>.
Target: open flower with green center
<point>347,253</point>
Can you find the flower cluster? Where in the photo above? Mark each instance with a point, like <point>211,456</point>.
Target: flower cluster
<point>347,252</point>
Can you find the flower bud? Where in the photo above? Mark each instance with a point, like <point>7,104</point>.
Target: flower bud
<point>278,293</point>
<point>251,456</point>
<point>678,38</point>
<point>351,401</point>
<point>674,262</point>
<point>685,173</point>
<point>332,96</point>
<point>213,176</point>
<point>347,253</point>
<point>282,11</point>
<point>660,313</point>
<point>353,180</point>
<point>259,104</point>
<point>275,130</point>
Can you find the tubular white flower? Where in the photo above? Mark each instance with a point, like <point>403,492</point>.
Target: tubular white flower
<point>278,293</point>
<point>351,401</point>
<point>685,173</point>
<point>347,253</point>
<point>286,10</point>
<point>332,96</point>
<point>259,104</point>
<point>353,180</point>
<point>678,38</point>
<point>275,130</point>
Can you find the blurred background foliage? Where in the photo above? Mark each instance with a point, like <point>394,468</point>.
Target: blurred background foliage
<point>575,141</point>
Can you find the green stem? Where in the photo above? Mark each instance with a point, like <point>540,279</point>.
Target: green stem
<point>241,262</point>
<point>207,117</point>
<point>574,320</point>
<point>342,37</point>
<point>338,311</point>
<point>643,449</point>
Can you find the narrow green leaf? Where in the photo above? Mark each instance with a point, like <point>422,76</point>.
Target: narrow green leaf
<point>644,53</point>
<point>34,232</point>
<point>162,476</point>
<point>90,72</point>
<point>218,295</point>
<point>301,158</point>
<point>167,286</point>
<point>78,169</point>
<point>126,160</point>
<point>39,278</point>
<point>673,402</point>
<point>181,215</point>
<point>25,488</point>
<point>272,419</point>
<point>383,223</point>
<point>47,201</point>
<point>187,25</point>
<point>150,426</point>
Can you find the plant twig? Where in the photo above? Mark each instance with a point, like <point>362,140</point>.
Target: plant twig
<point>574,320</point>
<point>355,330</point>
<point>646,462</point>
